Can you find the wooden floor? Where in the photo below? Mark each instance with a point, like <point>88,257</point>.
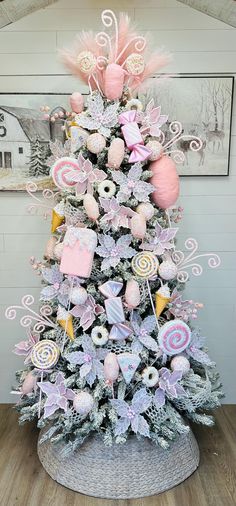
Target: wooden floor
<point>23,481</point>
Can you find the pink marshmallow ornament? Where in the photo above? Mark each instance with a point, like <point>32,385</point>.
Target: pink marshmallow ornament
<point>29,383</point>
<point>91,207</point>
<point>138,226</point>
<point>132,294</point>
<point>111,367</point>
<point>116,153</point>
<point>166,181</point>
<point>77,102</point>
<point>114,81</point>
<point>50,246</point>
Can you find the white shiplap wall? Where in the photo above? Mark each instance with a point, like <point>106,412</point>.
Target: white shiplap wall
<point>28,52</point>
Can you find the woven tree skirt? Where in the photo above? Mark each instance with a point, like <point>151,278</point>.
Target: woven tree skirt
<point>134,469</point>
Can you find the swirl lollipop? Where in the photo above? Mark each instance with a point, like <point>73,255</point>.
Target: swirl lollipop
<point>45,354</point>
<point>63,171</point>
<point>145,264</point>
<point>174,337</point>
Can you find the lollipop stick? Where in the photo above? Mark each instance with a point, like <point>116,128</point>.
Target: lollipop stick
<point>40,396</point>
<point>153,307</point>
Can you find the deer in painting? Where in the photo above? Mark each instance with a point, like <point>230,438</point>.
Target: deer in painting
<point>214,137</point>
<point>185,146</point>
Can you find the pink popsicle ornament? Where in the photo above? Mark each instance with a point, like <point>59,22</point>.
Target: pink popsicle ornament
<point>78,252</point>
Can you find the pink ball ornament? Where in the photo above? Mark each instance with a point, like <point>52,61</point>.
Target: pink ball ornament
<point>96,143</point>
<point>77,102</point>
<point>180,363</point>
<point>91,207</point>
<point>83,403</point>
<point>156,149</point>
<point>114,81</point>
<point>146,209</point>
<point>29,383</point>
<point>138,226</point>
<point>78,295</point>
<point>168,270</point>
<point>116,153</point>
<point>132,294</point>
<point>166,181</point>
<point>111,367</point>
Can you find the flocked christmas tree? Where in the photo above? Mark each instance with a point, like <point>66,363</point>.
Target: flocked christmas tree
<point>113,348</point>
<point>37,162</point>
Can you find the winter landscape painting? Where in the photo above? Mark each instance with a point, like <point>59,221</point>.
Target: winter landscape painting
<point>204,104</point>
<point>25,137</point>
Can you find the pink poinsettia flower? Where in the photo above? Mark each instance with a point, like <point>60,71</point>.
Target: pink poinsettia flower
<point>23,348</point>
<point>116,216</point>
<point>86,176</point>
<point>57,395</point>
<point>161,241</point>
<point>87,312</point>
<point>151,120</point>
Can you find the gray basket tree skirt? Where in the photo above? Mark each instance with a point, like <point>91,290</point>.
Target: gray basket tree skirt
<point>134,469</point>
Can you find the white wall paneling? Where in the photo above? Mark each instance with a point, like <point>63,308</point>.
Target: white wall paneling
<point>29,62</point>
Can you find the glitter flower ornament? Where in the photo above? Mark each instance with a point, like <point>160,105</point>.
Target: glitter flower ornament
<point>130,414</point>
<point>87,312</point>
<point>24,348</point>
<point>151,120</point>
<point>142,330</point>
<point>87,176</point>
<point>57,395</point>
<point>113,251</point>
<point>194,350</point>
<point>168,386</point>
<point>89,359</point>
<point>131,185</point>
<point>116,216</point>
<point>183,309</point>
<point>97,117</point>
<point>161,240</point>
<point>58,289</point>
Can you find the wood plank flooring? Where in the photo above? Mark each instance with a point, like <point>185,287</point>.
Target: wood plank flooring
<point>23,481</point>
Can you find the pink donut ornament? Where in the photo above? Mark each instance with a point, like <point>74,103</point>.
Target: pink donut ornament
<point>113,81</point>
<point>166,181</point>
<point>61,172</point>
<point>116,153</point>
<point>91,207</point>
<point>174,337</point>
<point>77,102</point>
<point>132,294</point>
<point>111,367</point>
<point>138,226</point>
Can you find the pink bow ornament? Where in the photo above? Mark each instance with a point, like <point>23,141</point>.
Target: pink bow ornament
<point>133,137</point>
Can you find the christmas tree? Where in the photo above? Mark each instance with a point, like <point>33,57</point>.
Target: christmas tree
<point>113,348</point>
<point>38,156</point>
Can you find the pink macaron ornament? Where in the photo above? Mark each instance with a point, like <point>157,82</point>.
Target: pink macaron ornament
<point>166,181</point>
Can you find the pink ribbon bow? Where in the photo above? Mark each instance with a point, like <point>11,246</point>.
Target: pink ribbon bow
<point>133,137</point>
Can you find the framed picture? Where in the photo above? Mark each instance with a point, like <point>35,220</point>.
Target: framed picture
<point>25,137</point>
<point>203,105</point>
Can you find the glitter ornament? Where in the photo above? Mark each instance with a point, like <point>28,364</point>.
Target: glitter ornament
<point>99,335</point>
<point>111,367</point>
<point>78,295</point>
<point>135,64</point>
<point>150,376</point>
<point>180,363</point>
<point>174,337</point>
<point>107,189</point>
<point>146,209</point>
<point>91,207</point>
<point>86,62</point>
<point>132,294</point>
<point>83,403</point>
<point>116,153</point>
<point>45,354</point>
<point>168,270</point>
<point>156,149</point>
<point>96,143</point>
<point>29,383</point>
<point>113,81</point>
<point>138,226</point>
<point>166,181</point>
<point>145,264</point>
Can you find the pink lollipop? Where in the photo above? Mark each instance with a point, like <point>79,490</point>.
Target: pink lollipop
<point>174,337</point>
<point>63,171</point>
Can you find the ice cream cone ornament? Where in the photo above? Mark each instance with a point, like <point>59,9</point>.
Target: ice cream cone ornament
<point>64,319</point>
<point>57,216</point>
<point>162,298</point>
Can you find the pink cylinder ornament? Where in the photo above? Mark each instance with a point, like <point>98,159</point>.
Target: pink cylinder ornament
<point>114,81</point>
<point>91,207</point>
<point>29,383</point>
<point>138,226</point>
<point>116,153</point>
<point>77,102</point>
<point>49,251</point>
<point>166,181</point>
<point>111,367</point>
<point>78,252</point>
<point>132,294</point>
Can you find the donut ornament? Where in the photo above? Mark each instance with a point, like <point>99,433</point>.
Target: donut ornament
<point>145,264</point>
<point>174,337</point>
